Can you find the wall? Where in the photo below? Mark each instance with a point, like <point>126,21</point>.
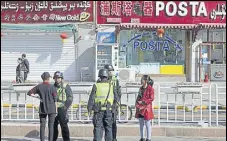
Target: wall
<point>85,52</point>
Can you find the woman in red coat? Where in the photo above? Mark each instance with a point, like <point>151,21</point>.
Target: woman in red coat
<point>144,110</point>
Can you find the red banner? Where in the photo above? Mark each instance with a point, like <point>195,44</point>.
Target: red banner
<point>162,12</point>
<point>46,11</point>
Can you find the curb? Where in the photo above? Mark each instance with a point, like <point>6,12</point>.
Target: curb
<point>81,130</point>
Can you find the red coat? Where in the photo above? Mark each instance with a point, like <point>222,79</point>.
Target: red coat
<point>146,108</point>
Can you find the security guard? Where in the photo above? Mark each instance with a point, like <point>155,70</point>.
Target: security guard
<point>113,79</point>
<point>101,101</point>
<point>64,99</point>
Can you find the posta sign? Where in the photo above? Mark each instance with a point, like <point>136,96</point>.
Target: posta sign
<point>46,11</point>
<point>163,12</point>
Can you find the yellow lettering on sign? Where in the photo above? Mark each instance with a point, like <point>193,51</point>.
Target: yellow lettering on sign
<point>84,16</point>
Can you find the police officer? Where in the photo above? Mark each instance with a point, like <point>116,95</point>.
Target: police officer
<point>64,100</point>
<point>113,79</point>
<point>101,101</point>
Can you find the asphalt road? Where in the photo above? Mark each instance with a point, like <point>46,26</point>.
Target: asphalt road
<point>120,139</point>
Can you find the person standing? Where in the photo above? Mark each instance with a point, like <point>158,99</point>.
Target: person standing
<point>113,79</point>
<point>144,111</point>
<point>26,64</point>
<point>48,98</point>
<point>101,101</point>
<point>64,101</point>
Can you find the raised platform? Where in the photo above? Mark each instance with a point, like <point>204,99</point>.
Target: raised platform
<point>86,130</point>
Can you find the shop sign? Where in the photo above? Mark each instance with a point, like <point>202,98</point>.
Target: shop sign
<point>165,12</point>
<point>106,37</point>
<point>46,11</point>
<point>151,45</point>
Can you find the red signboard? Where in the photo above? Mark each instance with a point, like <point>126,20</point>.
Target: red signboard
<point>162,12</point>
<point>46,11</point>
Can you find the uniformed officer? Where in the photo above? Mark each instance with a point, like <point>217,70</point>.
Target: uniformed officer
<point>64,101</point>
<point>101,101</point>
<point>113,79</point>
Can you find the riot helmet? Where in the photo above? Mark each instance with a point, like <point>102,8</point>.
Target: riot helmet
<point>109,67</point>
<point>103,73</point>
<point>58,74</point>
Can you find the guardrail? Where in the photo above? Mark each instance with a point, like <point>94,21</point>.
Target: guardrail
<point>169,106</point>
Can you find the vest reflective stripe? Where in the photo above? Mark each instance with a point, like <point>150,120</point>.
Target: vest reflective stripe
<point>114,80</point>
<point>102,92</point>
<point>61,95</point>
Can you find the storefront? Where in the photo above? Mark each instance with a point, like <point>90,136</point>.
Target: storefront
<point>47,32</point>
<point>154,37</point>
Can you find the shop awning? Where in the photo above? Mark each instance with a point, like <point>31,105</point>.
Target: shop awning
<point>38,27</point>
<point>140,25</point>
<point>212,25</point>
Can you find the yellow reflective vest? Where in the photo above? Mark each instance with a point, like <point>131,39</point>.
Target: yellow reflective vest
<point>62,97</point>
<point>102,90</point>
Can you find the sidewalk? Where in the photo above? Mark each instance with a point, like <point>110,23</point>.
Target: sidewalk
<point>86,130</point>
<point>121,139</point>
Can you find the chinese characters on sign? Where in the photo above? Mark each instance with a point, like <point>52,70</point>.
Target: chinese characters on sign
<point>46,11</point>
<point>165,12</point>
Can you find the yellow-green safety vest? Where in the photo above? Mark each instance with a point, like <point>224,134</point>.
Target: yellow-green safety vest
<point>102,92</point>
<point>61,95</point>
<point>114,80</point>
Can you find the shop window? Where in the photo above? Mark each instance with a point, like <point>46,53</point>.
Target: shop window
<point>144,46</point>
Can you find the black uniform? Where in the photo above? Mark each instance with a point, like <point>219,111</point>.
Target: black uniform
<point>62,116</point>
<point>26,69</point>
<point>101,119</point>
<point>114,126</point>
<point>48,96</point>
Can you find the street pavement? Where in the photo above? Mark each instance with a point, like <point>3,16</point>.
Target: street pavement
<point>121,139</point>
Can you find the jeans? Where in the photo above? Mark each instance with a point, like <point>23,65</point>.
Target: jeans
<point>62,118</point>
<point>42,118</point>
<point>148,127</point>
<point>103,119</point>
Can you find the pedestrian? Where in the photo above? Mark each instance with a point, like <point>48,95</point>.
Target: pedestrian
<point>48,98</point>
<point>144,110</point>
<point>20,71</point>
<point>64,101</point>
<point>113,79</point>
<point>26,64</point>
<point>102,98</point>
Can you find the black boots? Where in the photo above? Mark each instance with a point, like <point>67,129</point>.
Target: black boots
<point>144,139</point>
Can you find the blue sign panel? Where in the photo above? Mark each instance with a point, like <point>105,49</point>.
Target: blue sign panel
<point>106,37</point>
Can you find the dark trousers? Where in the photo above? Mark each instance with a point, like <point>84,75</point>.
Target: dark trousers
<point>61,118</point>
<point>114,126</point>
<point>43,125</point>
<point>25,76</point>
<point>103,119</point>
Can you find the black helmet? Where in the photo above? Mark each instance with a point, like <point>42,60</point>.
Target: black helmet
<point>109,67</point>
<point>103,73</point>
<point>58,74</point>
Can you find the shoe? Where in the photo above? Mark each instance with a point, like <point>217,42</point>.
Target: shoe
<point>148,140</point>
<point>142,139</point>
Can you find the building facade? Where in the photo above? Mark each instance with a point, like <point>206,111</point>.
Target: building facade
<point>36,28</point>
<point>155,37</point>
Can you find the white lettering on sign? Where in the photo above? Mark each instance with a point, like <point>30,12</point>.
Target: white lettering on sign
<point>172,9</point>
<point>113,20</point>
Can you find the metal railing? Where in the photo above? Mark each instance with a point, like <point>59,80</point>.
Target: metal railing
<point>208,107</point>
